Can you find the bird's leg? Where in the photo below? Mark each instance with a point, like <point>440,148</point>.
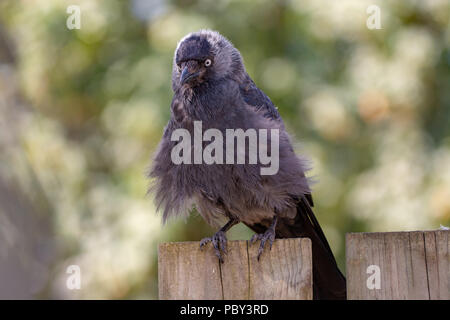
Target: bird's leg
<point>219,239</point>
<point>268,235</point>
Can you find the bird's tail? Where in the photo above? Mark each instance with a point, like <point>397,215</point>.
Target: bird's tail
<point>328,281</point>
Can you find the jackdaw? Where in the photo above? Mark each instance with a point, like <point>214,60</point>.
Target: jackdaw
<point>212,87</point>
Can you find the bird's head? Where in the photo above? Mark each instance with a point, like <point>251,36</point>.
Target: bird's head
<point>205,56</point>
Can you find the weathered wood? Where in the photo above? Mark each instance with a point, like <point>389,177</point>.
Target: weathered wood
<point>413,265</point>
<point>235,276</point>
<point>442,239</point>
<point>285,272</point>
<point>183,274</point>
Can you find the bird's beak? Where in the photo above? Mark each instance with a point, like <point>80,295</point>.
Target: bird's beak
<point>186,76</point>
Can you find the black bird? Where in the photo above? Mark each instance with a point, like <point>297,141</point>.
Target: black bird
<point>211,85</point>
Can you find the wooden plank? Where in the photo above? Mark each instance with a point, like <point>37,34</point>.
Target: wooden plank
<point>398,268</point>
<point>235,271</point>
<point>285,272</point>
<point>431,262</point>
<point>413,265</point>
<point>418,288</point>
<point>361,249</point>
<point>353,244</point>
<point>443,264</point>
<point>186,272</point>
<point>376,253</point>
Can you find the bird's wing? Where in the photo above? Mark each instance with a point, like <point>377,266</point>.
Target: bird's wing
<point>256,98</point>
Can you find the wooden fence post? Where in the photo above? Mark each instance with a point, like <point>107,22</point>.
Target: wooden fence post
<point>398,265</point>
<point>285,272</point>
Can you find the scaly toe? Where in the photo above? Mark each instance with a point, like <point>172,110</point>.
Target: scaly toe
<point>204,241</point>
<point>268,236</point>
<point>219,242</point>
<point>255,238</point>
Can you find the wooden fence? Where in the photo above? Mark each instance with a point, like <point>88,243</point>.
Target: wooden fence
<point>186,272</point>
<point>392,265</point>
<point>398,265</point>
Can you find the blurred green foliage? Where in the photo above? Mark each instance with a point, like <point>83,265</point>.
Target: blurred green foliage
<point>83,110</point>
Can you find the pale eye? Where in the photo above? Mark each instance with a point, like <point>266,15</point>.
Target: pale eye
<point>208,62</point>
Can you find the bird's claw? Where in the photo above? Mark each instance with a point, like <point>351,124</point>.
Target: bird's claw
<point>268,235</point>
<point>219,241</point>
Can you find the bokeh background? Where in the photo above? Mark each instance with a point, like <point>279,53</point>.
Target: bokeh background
<point>81,112</point>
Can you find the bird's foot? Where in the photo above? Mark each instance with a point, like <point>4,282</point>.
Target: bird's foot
<point>269,235</point>
<point>219,241</point>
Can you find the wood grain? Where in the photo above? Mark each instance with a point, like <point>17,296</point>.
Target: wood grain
<point>235,271</point>
<point>186,272</point>
<point>285,272</point>
<point>413,265</point>
<point>443,264</point>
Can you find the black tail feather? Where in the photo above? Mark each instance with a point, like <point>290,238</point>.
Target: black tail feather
<point>328,281</point>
